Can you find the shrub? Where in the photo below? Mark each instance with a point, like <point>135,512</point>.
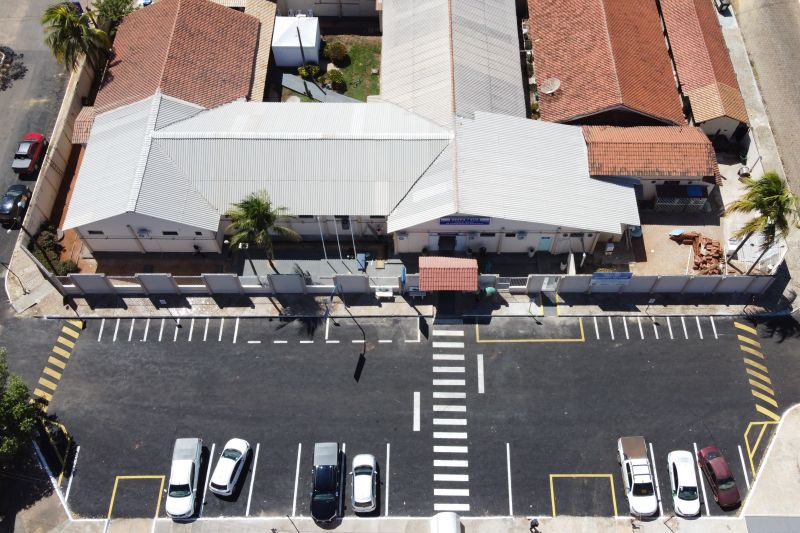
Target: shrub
<point>335,52</point>
<point>308,71</point>
<point>336,80</point>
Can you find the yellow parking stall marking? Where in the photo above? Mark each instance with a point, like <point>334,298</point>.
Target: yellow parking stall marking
<point>57,362</point>
<point>755,364</point>
<point>610,478</point>
<point>758,375</point>
<point>42,394</point>
<point>47,383</point>
<point>748,340</point>
<point>759,385</point>
<point>751,351</point>
<point>52,373</point>
<point>582,338</point>
<point>71,332</point>
<point>764,398</point>
<point>767,412</point>
<point>66,342</point>
<point>61,351</point>
<point>746,328</point>
<point>114,492</point>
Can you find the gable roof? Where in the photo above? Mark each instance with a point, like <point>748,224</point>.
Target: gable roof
<point>701,58</point>
<point>649,151</point>
<point>194,50</point>
<point>607,54</point>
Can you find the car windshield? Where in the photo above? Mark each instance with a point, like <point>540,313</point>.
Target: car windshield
<point>642,489</point>
<point>324,497</point>
<point>231,454</point>
<point>727,484</point>
<point>179,491</point>
<point>687,493</point>
<point>363,470</point>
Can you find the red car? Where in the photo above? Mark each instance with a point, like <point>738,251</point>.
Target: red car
<point>719,476</point>
<point>29,154</point>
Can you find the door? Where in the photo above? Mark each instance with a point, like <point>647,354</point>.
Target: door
<point>545,243</point>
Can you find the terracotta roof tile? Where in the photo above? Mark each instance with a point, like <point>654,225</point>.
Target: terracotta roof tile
<point>448,274</point>
<point>194,50</point>
<point>701,58</point>
<point>650,151</point>
<point>607,54</point>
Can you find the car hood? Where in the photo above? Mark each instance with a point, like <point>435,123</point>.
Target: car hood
<point>223,471</point>
<point>644,505</point>
<point>178,506</point>
<point>323,511</point>
<point>362,488</point>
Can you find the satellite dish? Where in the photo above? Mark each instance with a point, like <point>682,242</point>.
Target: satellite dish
<point>550,85</point>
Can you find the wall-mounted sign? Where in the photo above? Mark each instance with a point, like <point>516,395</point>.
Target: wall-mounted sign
<point>465,221</point>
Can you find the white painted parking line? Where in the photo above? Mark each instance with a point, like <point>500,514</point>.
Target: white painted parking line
<point>669,326</point>
<point>451,492</point>
<point>451,395</point>
<point>685,333</point>
<point>236,330</point>
<point>596,328</point>
<point>641,331</point>
<point>416,412</point>
<point>450,408</point>
<point>130,331</point>
<point>450,449</point>
<point>252,478</point>
<point>744,468</point>
<point>221,327</point>
<point>280,342</point>
<point>625,326</point>
<point>447,333</point>
<point>386,483</point>
<point>714,328</point>
<point>699,329</point>
<point>191,330</point>
<point>332,342</point>
<point>449,435</point>
<point>102,325</point>
<point>116,329</point>
<point>451,463</point>
<point>700,480</point>
<point>75,464</point>
<point>296,478</point>
<point>208,480</point>
<point>448,344</point>
<point>177,327</point>
<point>448,357</point>
<point>146,329</point>
<point>655,329</point>
<point>449,382</point>
<point>357,341</point>
<point>480,374</point>
<point>655,474</point>
<point>253,342</point>
<point>508,467</point>
<point>448,369</point>
<point>611,328</point>
<point>455,507</point>
<point>384,341</point>
<point>205,331</point>
<point>449,421</point>
<point>451,477</point>
<point>161,329</point>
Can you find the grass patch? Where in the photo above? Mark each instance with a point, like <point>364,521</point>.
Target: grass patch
<point>365,55</point>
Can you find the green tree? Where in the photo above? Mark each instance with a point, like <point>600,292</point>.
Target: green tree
<point>254,219</point>
<point>17,413</point>
<point>776,210</point>
<point>70,35</point>
<point>111,12</point>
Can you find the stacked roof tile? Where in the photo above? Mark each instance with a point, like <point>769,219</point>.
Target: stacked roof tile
<point>448,274</point>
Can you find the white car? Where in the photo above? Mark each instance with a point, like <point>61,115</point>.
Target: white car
<point>683,482</point>
<point>365,483</point>
<point>229,467</point>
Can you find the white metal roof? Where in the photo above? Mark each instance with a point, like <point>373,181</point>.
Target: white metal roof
<point>284,33</point>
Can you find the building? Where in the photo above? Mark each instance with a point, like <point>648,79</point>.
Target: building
<point>705,73</point>
<point>609,61</point>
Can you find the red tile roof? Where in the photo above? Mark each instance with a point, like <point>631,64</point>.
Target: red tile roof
<point>448,274</point>
<point>607,54</point>
<point>701,58</point>
<point>195,50</point>
<point>650,151</point>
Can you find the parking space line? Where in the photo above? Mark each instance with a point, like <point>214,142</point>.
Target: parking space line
<point>625,326</point>
<point>449,435</point>
<point>744,467</point>
<point>449,382</point>
<point>759,385</point>
<point>508,468</point>
<point>146,330</point>
<point>386,483</point>
<point>296,478</point>
<point>449,421</point>
<point>161,330</point>
<point>221,327</point>
<point>236,330</point>
<point>700,479</point>
<point>714,327</point>
<point>699,329</point>
<point>454,507</point>
<point>451,395</point>
<point>415,423</point>
<point>669,326</point>
<point>450,408</point>
<point>480,374</point>
<point>451,477</point>
<point>191,330</point>
<point>252,477</point>
<point>449,369</point>
<point>130,332</point>
<point>205,331</point>
<point>100,333</point>
<point>208,479</point>
<point>450,449</point>
<point>451,492</point>
<point>685,332</point>
<point>641,331</point>
<point>611,328</point>
<point>448,357</point>
<point>655,475</point>
<point>116,329</point>
<point>451,463</point>
<point>596,328</point>
<point>746,328</point>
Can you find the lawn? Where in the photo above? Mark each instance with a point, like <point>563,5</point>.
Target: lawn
<point>365,55</point>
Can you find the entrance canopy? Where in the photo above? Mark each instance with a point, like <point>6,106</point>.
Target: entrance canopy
<point>448,274</point>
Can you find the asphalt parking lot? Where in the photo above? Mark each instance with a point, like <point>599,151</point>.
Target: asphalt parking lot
<point>514,416</point>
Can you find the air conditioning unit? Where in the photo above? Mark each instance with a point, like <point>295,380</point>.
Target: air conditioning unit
<point>143,233</point>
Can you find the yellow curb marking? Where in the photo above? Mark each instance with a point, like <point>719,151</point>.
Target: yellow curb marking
<point>610,478</point>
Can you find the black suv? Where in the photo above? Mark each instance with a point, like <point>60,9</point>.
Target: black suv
<point>326,496</point>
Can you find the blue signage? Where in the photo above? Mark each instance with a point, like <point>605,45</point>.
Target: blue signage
<point>465,221</point>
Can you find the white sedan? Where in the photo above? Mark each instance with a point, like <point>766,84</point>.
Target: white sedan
<point>229,467</point>
<point>683,482</point>
<point>365,483</point>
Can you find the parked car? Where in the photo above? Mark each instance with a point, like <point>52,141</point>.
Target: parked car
<point>683,482</point>
<point>365,483</point>
<point>719,476</point>
<point>327,481</point>
<point>183,477</point>
<point>229,467</point>
<point>29,154</point>
<point>13,204</point>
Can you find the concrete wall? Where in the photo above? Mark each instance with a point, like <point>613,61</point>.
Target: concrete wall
<point>330,8</point>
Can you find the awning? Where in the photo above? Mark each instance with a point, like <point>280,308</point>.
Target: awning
<point>447,274</point>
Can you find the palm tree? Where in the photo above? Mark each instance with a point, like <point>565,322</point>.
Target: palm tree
<point>776,208</point>
<point>252,221</point>
<point>70,35</point>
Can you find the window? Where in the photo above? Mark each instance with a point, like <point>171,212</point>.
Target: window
<point>169,233</point>
<point>95,232</point>
<point>198,233</point>
<point>487,234</point>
